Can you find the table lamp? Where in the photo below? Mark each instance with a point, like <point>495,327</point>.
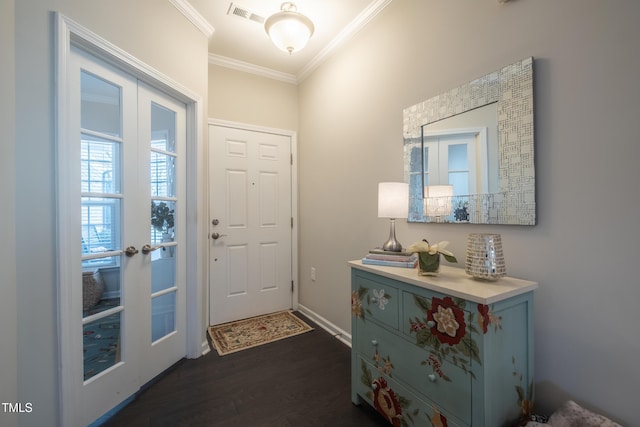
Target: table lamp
<point>393,202</point>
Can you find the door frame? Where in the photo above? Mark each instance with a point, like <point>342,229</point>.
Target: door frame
<point>294,200</point>
<point>68,33</point>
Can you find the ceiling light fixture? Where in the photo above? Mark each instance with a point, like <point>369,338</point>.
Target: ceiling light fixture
<point>288,29</point>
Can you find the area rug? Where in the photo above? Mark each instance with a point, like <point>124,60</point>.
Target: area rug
<point>231,337</point>
<point>101,339</point>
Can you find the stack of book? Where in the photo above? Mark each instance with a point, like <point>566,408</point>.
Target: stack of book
<point>391,259</point>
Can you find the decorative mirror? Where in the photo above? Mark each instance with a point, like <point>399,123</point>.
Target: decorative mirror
<point>469,152</point>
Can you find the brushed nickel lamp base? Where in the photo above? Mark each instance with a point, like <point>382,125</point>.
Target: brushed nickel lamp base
<point>392,244</point>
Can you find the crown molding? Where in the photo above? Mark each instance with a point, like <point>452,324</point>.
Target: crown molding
<point>192,15</point>
<point>347,33</point>
<point>374,8</point>
<point>247,67</point>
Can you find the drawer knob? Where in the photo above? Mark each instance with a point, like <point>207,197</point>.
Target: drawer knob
<point>374,342</point>
<point>432,377</point>
<point>431,323</point>
<point>374,386</point>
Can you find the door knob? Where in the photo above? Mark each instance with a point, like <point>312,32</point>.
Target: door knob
<point>146,249</point>
<point>215,235</point>
<point>130,251</point>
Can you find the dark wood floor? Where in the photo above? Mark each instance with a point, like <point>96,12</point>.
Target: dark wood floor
<point>299,381</point>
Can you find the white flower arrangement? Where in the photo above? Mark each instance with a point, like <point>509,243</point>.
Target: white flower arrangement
<point>423,246</point>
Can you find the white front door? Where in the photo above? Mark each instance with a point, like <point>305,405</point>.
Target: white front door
<point>122,197</point>
<point>250,216</point>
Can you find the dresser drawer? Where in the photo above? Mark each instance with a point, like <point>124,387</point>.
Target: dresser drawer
<point>374,300</point>
<point>443,325</point>
<point>447,385</point>
<point>396,403</point>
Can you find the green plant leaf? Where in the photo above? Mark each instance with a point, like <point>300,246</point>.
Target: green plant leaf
<point>450,258</point>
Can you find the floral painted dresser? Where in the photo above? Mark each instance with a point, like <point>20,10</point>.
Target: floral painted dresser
<point>441,351</point>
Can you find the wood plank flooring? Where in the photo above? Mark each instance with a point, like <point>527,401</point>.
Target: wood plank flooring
<point>299,381</point>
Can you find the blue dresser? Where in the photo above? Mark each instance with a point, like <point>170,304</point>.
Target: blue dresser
<point>441,351</point>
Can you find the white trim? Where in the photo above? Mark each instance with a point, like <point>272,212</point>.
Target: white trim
<point>347,33</point>
<point>294,194</point>
<point>68,33</point>
<point>247,67</point>
<point>205,348</point>
<point>194,17</point>
<point>334,330</point>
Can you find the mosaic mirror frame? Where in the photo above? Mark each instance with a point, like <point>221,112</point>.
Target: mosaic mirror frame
<point>514,202</point>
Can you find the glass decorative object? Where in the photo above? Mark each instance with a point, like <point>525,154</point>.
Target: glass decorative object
<point>485,259</point>
<point>428,264</point>
<point>429,256</point>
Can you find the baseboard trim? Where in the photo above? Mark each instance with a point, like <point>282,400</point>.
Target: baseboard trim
<point>205,348</point>
<point>334,330</point>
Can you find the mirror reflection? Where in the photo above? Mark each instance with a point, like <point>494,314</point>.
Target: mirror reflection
<point>476,140</point>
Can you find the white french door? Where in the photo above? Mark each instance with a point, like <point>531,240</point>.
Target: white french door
<point>251,223</point>
<point>122,182</point>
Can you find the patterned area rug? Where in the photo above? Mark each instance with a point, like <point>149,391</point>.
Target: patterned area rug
<point>101,339</point>
<point>231,337</point>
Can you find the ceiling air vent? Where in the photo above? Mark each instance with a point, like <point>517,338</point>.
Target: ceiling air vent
<point>243,12</point>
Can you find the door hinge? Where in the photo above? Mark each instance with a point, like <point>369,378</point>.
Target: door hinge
<point>291,222</point>
<point>291,157</point>
<point>292,286</point>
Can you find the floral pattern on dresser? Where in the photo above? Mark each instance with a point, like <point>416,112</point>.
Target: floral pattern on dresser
<point>383,364</point>
<point>376,298</point>
<point>436,366</point>
<point>486,317</point>
<point>446,332</point>
<point>438,420</point>
<point>393,407</point>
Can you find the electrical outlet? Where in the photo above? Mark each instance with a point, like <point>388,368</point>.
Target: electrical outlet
<point>313,274</point>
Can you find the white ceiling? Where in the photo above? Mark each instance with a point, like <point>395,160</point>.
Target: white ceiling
<point>243,43</point>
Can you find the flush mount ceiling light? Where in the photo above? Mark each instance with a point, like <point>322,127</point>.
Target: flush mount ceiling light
<point>288,29</point>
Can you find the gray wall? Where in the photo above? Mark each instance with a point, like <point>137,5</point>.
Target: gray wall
<point>8,312</point>
<point>142,29</point>
<point>247,98</point>
<point>583,250</point>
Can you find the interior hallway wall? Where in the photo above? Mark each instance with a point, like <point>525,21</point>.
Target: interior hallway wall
<point>251,99</point>
<point>584,249</point>
<point>8,313</point>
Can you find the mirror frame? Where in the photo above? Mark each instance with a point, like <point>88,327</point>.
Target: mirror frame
<point>512,89</point>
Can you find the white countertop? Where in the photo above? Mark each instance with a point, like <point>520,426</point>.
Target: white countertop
<point>455,282</point>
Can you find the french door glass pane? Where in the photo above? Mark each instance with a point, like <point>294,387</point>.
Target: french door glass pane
<point>163,315</point>
<point>100,105</point>
<point>99,165</point>
<point>100,224</point>
<point>101,288</point>
<point>101,344</point>
<point>163,128</point>
<point>163,270</point>
<point>162,221</point>
<point>163,172</point>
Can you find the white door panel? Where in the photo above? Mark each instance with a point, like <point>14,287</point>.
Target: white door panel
<point>250,196</point>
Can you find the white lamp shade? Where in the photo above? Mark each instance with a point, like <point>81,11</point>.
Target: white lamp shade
<point>393,200</point>
<point>289,30</point>
<point>437,200</point>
